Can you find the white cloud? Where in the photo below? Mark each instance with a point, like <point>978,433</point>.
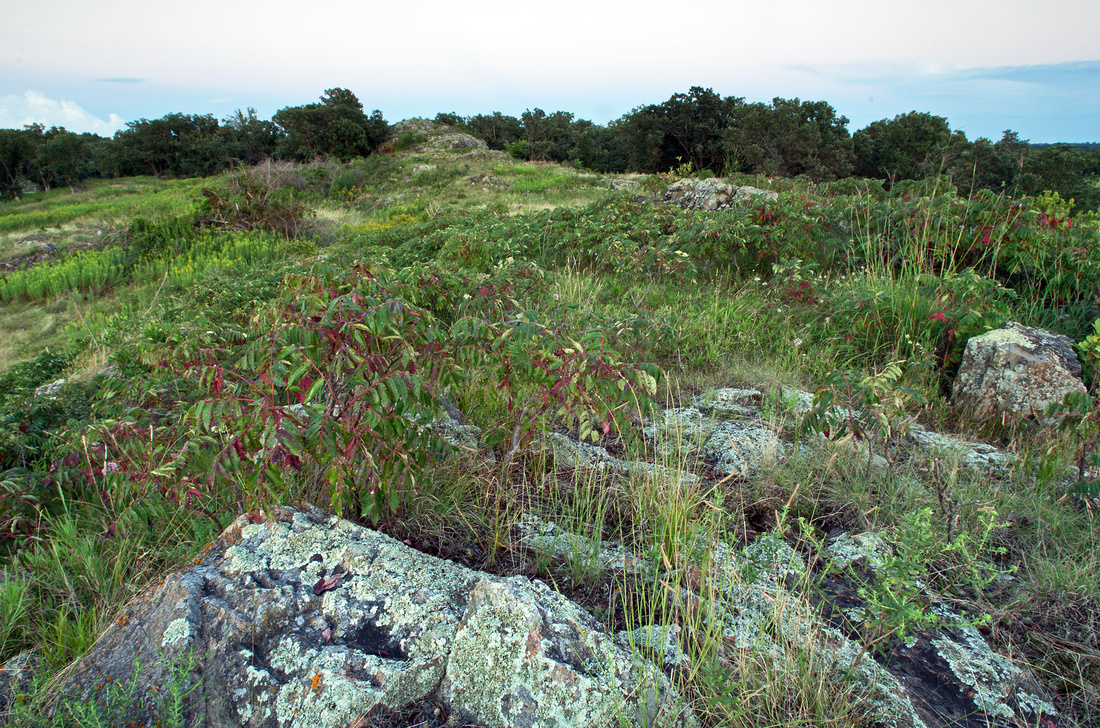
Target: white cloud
<point>34,107</point>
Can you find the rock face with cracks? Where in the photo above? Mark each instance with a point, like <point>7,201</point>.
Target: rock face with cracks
<point>309,620</point>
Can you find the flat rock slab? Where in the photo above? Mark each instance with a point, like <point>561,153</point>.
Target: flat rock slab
<point>310,620</point>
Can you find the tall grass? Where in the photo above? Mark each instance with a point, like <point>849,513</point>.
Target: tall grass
<point>95,271</point>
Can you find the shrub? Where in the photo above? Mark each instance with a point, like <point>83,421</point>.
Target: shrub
<point>349,374</point>
<point>250,201</point>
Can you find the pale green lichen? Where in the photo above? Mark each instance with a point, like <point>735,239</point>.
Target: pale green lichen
<point>992,677</point>
<point>727,402</point>
<point>869,547</point>
<point>495,648</point>
<point>736,446</point>
<point>178,630</point>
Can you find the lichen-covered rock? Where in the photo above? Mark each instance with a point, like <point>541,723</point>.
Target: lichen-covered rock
<point>977,456</point>
<point>939,677</point>
<point>582,552</point>
<point>747,193</point>
<point>861,551</point>
<point>727,402</point>
<point>453,142</point>
<point>734,446</point>
<point>310,620</point>
<point>708,194</point>
<point>490,181</point>
<point>570,453</point>
<point>1016,371</point>
<point>711,194</point>
<point>525,656</point>
<point>17,676</point>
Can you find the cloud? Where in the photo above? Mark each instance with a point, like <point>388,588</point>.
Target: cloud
<point>34,107</point>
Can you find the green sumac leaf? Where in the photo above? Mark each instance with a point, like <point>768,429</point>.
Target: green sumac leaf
<point>1085,489</point>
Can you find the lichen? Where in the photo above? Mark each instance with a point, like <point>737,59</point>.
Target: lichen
<point>500,645</point>
<point>847,549</point>
<point>989,675</point>
<point>178,630</point>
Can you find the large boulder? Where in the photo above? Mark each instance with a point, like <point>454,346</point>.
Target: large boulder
<point>310,620</point>
<point>1016,371</point>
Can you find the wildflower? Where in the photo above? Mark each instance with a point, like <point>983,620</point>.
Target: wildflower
<point>938,316</point>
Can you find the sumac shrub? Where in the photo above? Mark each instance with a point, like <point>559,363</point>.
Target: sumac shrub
<point>350,374</point>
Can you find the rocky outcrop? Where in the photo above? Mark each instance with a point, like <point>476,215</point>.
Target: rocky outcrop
<point>304,619</point>
<point>454,142</point>
<point>308,620</point>
<point>712,194</point>
<point>1016,371</point>
<point>490,181</point>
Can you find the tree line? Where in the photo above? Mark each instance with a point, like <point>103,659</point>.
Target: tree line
<point>698,130</point>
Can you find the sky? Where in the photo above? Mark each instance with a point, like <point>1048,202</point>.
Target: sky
<point>985,65</point>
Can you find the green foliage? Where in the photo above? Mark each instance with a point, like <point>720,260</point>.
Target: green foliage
<point>869,408</point>
<point>96,271</point>
<point>1079,415</point>
<point>337,126</point>
<point>518,149</point>
<point>1088,350</point>
<point>350,373</point>
<point>549,137</point>
<point>22,378</point>
<point>927,318</point>
<point>789,138</point>
<point>15,608</point>
<point>409,138</point>
<point>910,146</point>
<point>179,145</point>
<point>16,153</point>
<point>898,600</point>
<point>364,368</point>
<point>253,200</point>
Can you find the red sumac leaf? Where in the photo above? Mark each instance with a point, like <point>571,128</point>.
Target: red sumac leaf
<point>328,583</point>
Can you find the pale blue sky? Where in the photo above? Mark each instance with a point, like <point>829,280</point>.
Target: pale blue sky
<point>986,65</point>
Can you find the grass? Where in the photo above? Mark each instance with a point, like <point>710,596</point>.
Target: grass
<point>757,325</point>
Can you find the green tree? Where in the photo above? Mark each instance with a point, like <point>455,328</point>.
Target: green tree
<point>549,136</point>
<point>686,128</point>
<point>248,138</point>
<point>600,148</point>
<point>916,145</point>
<point>17,150</point>
<point>178,145</point>
<point>496,129</point>
<point>335,127</point>
<point>789,138</point>
<point>61,159</point>
<point>450,118</point>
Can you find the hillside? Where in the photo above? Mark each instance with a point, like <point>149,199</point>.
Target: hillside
<point>427,340</point>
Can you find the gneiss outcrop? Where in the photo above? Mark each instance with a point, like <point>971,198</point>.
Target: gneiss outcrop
<point>308,620</point>
<point>305,619</point>
<point>712,194</point>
